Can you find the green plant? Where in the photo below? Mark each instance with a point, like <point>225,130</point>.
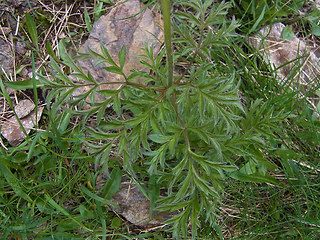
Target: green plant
<point>188,131</point>
<point>256,13</point>
<point>220,119</point>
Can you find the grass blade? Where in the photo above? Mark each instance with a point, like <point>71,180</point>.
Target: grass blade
<point>35,92</point>
<point>32,29</point>
<point>258,20</point>
<point>63,211</point>
<point>51,52</point>
<point>87,19</point>
<point>12,180</point>
<point>97,198</point>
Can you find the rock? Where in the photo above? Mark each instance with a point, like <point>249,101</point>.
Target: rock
<point>6,51</point>
<point>134,206</point>
<point>23,108</point>
<point>20,47</point>
<point>113,33</point>
<point>6,57</point>
<point>11,129</point>
<point>279,52</point>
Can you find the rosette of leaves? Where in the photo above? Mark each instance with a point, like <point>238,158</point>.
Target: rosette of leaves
<point>182,132</point>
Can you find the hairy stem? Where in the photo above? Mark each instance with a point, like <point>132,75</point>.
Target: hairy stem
<point>167,38</point>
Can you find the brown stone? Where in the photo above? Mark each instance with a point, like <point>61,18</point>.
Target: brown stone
<point>6,57</point>
<point>135,207</point>
<point>114,31</point>
<point>23,108</point>
<point>280,52</point>
<point>12,131</point>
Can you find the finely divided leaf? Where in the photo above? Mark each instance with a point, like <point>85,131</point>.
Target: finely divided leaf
<point>122,57</point>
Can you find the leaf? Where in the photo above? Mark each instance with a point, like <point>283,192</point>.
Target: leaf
<point>159,156</point>
<point>96,55</point>
<point>287,33</point>
<point>87,19</point>
<point>111,124</point>
<point>173,143</point>
<point>160,138</point>
<point>88,78</point>
<point>99,10</point>
<point>116,222</point>
<point>100,135</point>
<point>64,122</point>
<point>174,206</point>
<point>35,91</point>
<point>113,184</point>
<point>315,28</point>
<point>203,185</point>
<point>62,210</point>
<point>254,27</point>
<point>51,52</point>
<point>12,180</point>
<point>109,92</point>
<point>20,157</point>
<point>64,96</point>
<point>117,105</point>
<point>188,16</point>
<point>155,124</point>
<point>67,59</point>
<point>256,177</point>
<point>107,55</point>
<point>60,74</point>
<point>122,57</point>
<point>102,110</point>
<point>96,197</point>
<point>154,193</point>
<point>138,120</point>
<point>114,69</point>
<point>143,134</point>
<point>184,187</point>
<point>195,215</point>
<point>32,29</point>
<point>23,85</point>
<point>44,207</point>
<point>104,158</point>
<point>223,166</point>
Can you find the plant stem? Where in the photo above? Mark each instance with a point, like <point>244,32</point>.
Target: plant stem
<point>167,38</point>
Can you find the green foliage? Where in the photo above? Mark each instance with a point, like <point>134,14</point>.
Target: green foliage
<point>201,145</point>
<point>256,13</point>
<point>191,133</point>
<point>313,19</point>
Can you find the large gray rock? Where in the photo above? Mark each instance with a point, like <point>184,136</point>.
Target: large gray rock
<point>119,28</point>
